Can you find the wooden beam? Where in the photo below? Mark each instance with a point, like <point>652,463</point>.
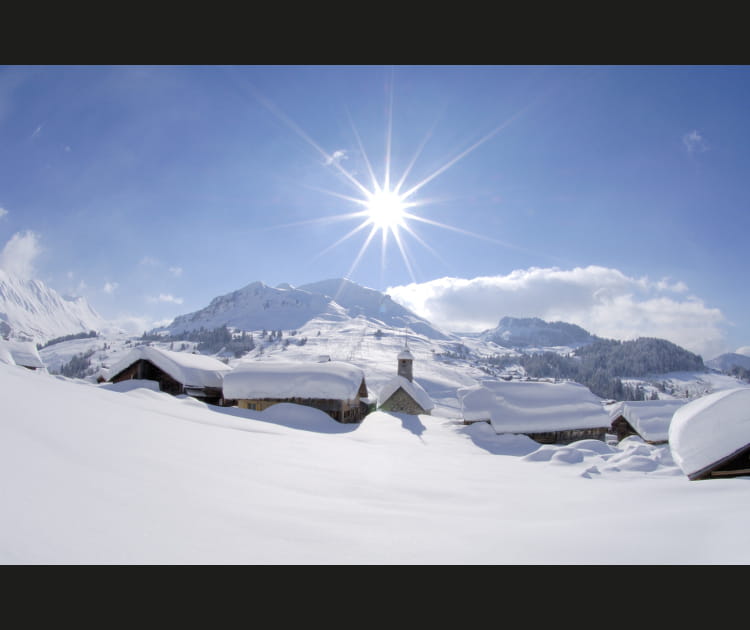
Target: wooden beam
<point>726,473</point>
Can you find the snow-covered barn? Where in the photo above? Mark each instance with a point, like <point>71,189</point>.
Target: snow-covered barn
<point>476,403</point>
<point>402,394</point>
<point>23,353</point>
<point>648,419</point>
<point>195,375</point>
<point>336,387</point>
<point>550,413</point>
<point>710,437</point>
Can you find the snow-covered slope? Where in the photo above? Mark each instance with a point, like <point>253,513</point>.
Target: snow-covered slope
<point>29,308</point>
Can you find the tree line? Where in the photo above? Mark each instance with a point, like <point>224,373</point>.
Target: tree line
<point>221,339</point>
<point>602,364</point>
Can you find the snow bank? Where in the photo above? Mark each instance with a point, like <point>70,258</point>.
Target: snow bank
<point>130,385</point>
<point>293,379</point>
<point>6,356</point>
<point>303,417</point>
<point>192,370</point>
<point>95,477</point>
<point>709,429</point>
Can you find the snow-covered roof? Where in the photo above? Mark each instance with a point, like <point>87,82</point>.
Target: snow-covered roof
<point>476,402</point>
<point>192,370</point>
<point>414,389</point>
<point>20,353</point>
<point>650,418</point>
<point>293,379</point>
<point>405,354</point>
<point>537,406</point>
<point>708,429</point>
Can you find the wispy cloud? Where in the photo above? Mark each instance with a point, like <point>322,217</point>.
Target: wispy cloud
<point>37,131</point>
<point>109,287</point>
<point>694,142</point>
<point>151,261</point>
<point>604,301</point>
<point>3,212</point>
<point>19,253</point>
<point>336,156</point>
<point>166,297</point>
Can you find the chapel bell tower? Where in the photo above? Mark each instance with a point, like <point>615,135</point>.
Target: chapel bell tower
<point>405,361</point>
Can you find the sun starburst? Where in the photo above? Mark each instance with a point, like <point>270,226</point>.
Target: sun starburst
<point>383,207</point>
<point>386,210</point>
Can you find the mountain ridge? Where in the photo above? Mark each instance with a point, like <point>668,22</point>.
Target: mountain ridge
<point>523,332</point>
<point>259,306</point>
<point>29,309</point>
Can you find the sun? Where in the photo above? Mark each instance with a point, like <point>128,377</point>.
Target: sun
<point>386,210</point>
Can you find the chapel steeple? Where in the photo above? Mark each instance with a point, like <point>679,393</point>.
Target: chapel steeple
<point>405,361</point>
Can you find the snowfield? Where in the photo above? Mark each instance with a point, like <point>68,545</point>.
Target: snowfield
<point>121,474</point>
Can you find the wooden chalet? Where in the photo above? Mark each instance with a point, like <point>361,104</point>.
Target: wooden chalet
<point>335,387</point>
<point>736,464</point>
<point>194,375</point>
<point>549,413</point>
<point>647,419</point>
<point>710,436</point>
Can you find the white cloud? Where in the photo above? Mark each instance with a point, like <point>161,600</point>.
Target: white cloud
<point>3,212</point>
<point>37,131</point>
<point>19,253</point>
<point>694,142</point>
<point>149,260</point>
<point>109,287</point>
<point>336,157</point>
<point>166,297</point>
<point>176,271</point>
<point>604,301</point>
<point>130,324</point>
<point>743,350</point>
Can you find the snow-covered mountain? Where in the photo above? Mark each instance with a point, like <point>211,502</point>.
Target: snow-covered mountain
<point>725,362</point>
<point>376,306</point>
<point>258,306</point>
<point>31,309</point>
<point>522,332</point>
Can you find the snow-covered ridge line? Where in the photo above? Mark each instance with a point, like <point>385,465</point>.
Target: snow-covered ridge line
<point>30,309</point>
<point>258,306</point>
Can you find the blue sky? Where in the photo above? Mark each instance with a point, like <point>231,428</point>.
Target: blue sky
<point>612,197</point>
